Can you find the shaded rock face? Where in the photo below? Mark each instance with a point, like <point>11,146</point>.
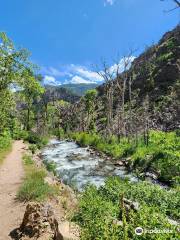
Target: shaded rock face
<point>39,222</point>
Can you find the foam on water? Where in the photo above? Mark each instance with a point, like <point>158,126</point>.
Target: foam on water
<point>77,167</point>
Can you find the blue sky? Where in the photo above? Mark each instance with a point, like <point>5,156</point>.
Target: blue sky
<point>66,37</point>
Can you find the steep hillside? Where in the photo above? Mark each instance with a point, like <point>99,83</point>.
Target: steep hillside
<point>54,93</point>
<point>158,67</point>
<point>151,92</point>
<point>79,89</point>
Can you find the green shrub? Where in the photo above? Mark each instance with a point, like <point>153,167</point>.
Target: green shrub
<point>33,148</point>
<point>36,139</point>
<point>58,132</point>
<point>161,155</point>
<point>33,138</point>
<point>167,201</point>
<point>5,140</point>
<point>99,208</point>
<point>20,134</point>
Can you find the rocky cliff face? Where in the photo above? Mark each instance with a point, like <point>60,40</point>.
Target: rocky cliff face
<point>158,67</point>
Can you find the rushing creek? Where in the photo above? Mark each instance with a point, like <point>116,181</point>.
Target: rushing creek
<point>77,167</point>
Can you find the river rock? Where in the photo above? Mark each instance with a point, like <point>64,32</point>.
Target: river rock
<point>151,175</point>
<point>130,204</point>
<point>74,156</point>
<point>117,222</point>
<point>119,163</point>
<point>173,222</point>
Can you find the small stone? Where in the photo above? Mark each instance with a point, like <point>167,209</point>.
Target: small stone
<point>119,163</point>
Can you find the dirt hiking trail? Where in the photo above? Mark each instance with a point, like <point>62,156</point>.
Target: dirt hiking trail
<point>11,175</point>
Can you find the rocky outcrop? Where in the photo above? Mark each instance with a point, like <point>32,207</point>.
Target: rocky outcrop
<point>39,223</point>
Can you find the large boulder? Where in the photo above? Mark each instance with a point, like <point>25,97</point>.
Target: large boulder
<point>39,222</point>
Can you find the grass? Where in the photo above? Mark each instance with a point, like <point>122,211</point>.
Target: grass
<point>50,166</point>
<point>34,186</point>
<point>99,208</point>
<point>4,153</point>
<point>5,145</point>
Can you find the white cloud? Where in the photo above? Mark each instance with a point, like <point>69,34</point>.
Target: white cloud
<point>121,64</point>
<point>78,74</point>
<point>50,80</point>
<point>78,79</point>
<point>87,74</point>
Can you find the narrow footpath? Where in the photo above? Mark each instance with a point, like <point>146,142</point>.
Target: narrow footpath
<point>11,176</point>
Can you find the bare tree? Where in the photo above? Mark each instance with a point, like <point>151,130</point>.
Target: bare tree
<point>107,74</point>
<point>122,75</point>
<point>146,118</point>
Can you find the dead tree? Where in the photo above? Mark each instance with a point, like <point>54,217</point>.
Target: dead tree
<point>107,74</point>
<point>122,76</point>
<point>146,119</point>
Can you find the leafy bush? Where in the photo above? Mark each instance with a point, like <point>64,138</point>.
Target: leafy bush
<point>36,139</point>
<point>16,130</point>
<point>59,132</point>
<point>161,155</point>
<point>33,148</point>
<point>33,138</point>
<point>100,209</point>
<point>167,201</point>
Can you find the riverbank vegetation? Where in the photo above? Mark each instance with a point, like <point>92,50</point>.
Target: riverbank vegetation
<point>34,187</point>
<point>161,156</point>
<point>104,214</point>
